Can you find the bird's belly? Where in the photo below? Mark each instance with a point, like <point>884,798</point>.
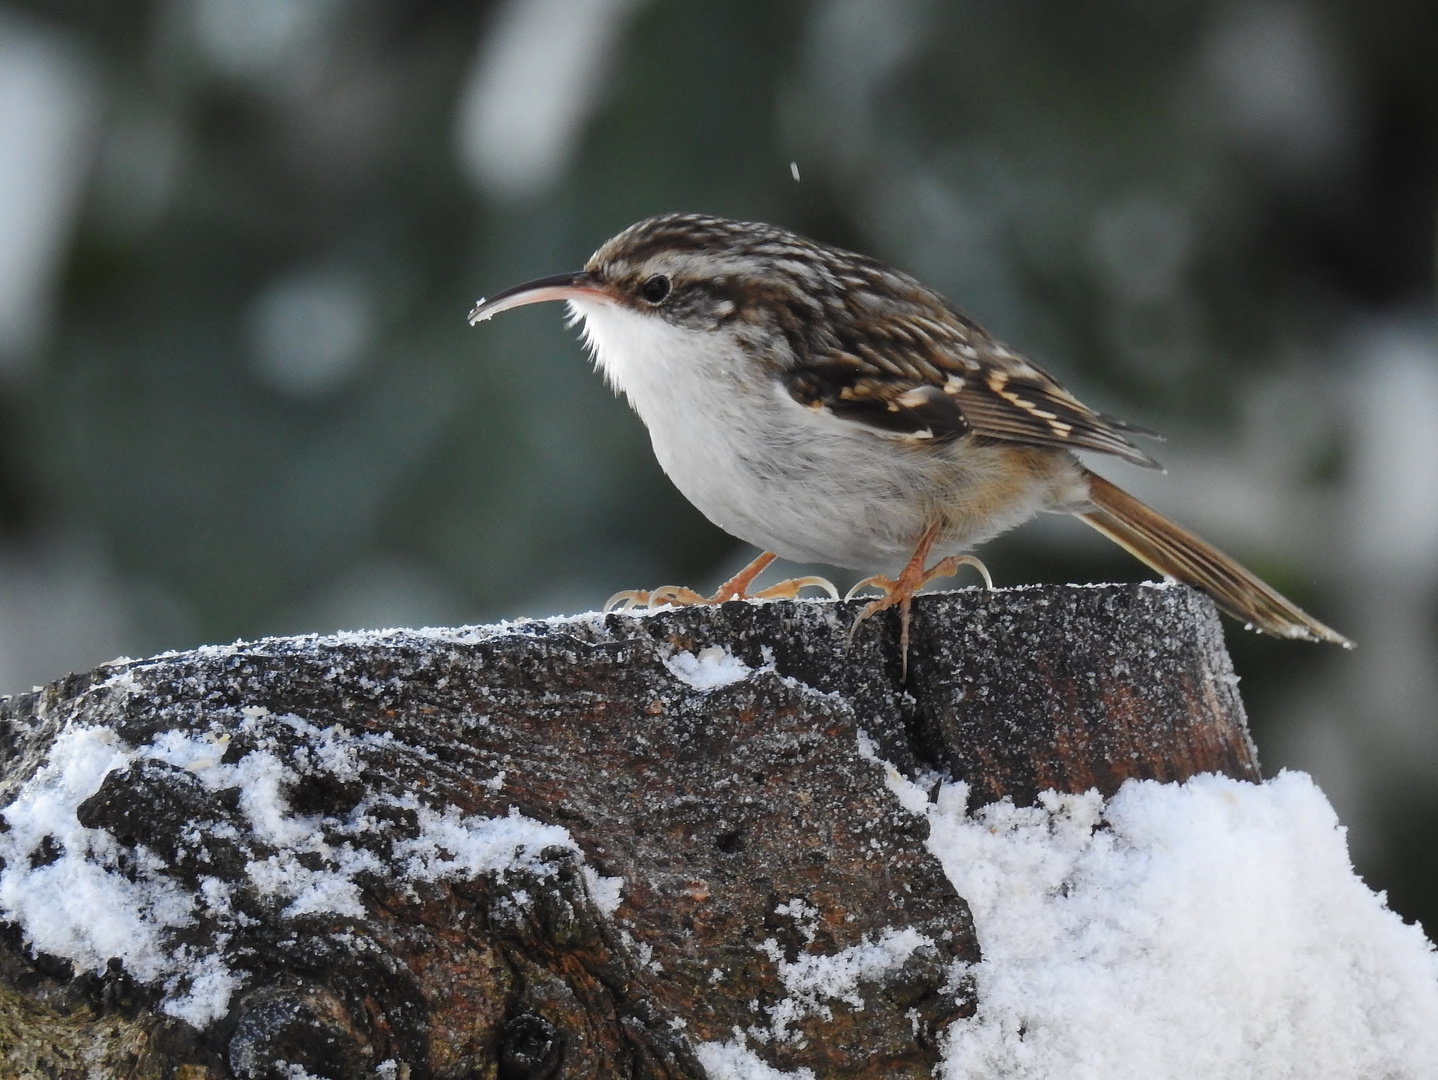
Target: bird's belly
<point>814,489</point>
<point>796,508</point>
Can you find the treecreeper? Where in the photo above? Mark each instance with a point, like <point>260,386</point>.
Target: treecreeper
<point>828,408</point>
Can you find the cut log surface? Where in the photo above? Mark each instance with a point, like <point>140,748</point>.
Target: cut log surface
<point>604,846</point>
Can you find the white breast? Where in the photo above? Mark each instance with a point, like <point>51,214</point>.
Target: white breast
<point>762,467</point>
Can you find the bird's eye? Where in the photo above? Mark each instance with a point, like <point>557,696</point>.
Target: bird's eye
<point>655,289</point>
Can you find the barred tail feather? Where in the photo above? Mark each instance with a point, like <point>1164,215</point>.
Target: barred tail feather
<point>1177,553</point>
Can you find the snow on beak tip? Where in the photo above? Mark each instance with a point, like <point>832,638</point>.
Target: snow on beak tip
<point>559,287</point>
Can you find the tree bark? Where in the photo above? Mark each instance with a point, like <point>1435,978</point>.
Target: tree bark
<point>732,765</point>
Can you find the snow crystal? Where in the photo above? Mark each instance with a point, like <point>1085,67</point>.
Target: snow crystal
<point>1205,929</point>
<point>606,892</point>
<point>262,779</point>
<point>734,1061</point>
<point>806,917</point>
<point>811,980</point>
<point>332,889</point>
<point>712,668</point>
<point>453,845</point>
<point>211,985</point>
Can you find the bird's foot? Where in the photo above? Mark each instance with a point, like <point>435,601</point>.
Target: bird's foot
<point>900,591</point>
<point>736,588</point>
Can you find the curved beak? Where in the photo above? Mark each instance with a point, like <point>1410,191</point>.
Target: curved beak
<point>576,286</point>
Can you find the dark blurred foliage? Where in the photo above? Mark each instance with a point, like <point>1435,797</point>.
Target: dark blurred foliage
<point>257,407</point>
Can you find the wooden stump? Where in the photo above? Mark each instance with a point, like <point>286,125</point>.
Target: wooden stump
<point>591,847</point>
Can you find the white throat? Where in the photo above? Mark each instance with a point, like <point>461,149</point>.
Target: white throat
<point>662,369</point>
<point>710,411</point>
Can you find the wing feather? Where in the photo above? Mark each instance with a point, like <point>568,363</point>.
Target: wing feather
<point>926,371</point>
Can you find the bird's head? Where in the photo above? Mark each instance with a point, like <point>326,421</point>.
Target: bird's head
<point>688,270</point>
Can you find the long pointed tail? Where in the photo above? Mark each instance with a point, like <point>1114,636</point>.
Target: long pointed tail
<point>1176,552</point>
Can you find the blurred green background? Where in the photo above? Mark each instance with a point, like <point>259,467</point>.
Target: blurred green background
<point>238,239</point>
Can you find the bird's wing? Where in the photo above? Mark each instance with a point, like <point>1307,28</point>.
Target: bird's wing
<point>939,376</point>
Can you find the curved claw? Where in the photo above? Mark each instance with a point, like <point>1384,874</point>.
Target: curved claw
<point>969,560</point>
<point>788,590</point>
<point>676,595</point>
<point>736,588</point>
<point>876,581</point>
<point>899,592</point>
<point>672,595</point>
<point>945,567</point>
<point>626,600</point>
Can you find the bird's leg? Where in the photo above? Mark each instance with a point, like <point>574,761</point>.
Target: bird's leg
<point>736,588</point>
<point>913,577</point>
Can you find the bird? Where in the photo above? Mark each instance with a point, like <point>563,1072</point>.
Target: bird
<point>828,408</point>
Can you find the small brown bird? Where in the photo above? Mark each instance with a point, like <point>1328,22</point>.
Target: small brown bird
<point>827,408</point>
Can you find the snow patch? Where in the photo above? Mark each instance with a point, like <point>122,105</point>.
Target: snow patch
<point>63,883</point>
<point>713,667</point>
<point>1210,928</point>
<point>208,986</point>
<point>733,1060</point>
<point>77,893</point>
<point>454,845</point>
<point>812,980</point>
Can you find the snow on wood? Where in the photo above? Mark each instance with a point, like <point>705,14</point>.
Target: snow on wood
<point>718,841</point>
